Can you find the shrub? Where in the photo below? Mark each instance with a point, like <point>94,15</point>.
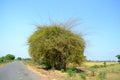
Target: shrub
<point>62,70</point>
<point>83,76</point>
<point>104,64</point>
<point>118,56</point>
<point>57,45</point>
<point>9,57</point>
<point>101,75</point>
<point>95,66</point>
<point>71,72</point>
<point>19,58</point>
<point>1,59</point>
<point>92,71</point>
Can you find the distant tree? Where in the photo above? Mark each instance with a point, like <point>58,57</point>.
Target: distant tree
<point>9,57</point>
<point>57,46</point>
<point>19,58</point>
<point>118,56</point>
<point>104,64</point>
<point>1,59</point>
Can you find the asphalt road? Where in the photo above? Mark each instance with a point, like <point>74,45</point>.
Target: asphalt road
<point>17,71</point>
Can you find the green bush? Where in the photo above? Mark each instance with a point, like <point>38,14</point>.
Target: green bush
<point>19,58</point>
<point>44,63</point>
<point>104,64</point>
<point>92,69</point>
<point>118,56</point>
<point>62,70</point>
<point>95,66</point>
<point>9,57</point>
<point>83,76</point>
<point>1,59</point>
<point>57,45</point>
<point>71,72</point>
<point>101,75</point>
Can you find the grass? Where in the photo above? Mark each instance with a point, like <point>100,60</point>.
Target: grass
<point>109,72</point>
<point>89,64</point>
<point>113,72</point>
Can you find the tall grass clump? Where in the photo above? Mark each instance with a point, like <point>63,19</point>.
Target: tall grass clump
<point>62,70</point>
<point>71,72</point>
<point>104,64</point>
<point>93,70</point>
<point>83,76</point>
<point>101,75</point>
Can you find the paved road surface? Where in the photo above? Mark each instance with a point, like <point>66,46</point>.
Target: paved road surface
<point>17,71</point>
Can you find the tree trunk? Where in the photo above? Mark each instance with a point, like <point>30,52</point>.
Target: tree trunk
<point>60,61</point>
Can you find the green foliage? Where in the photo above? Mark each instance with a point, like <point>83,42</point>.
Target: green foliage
<point>99,66</point>
<point>93,70</point>
<point>71,72</point>
<point>95,66</point>
<point>57,46</point>
<point>9,57</point>
<point>104,64</point>
<point>1,59</point>
<point>118,56</point>
<point>19,58</point>
<point>62,70</point>
<point>83,76</point>
<point>101,75</point>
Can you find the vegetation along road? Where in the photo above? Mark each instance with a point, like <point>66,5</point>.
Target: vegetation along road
<point>17,71</point>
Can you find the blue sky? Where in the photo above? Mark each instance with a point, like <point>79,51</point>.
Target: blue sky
<point>99,19</point>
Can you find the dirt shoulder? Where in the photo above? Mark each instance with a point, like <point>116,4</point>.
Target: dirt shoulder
<point>2,64</point>
<point>47,74</point>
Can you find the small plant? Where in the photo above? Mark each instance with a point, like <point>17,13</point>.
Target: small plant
<point>19,58</point>
<point>71,72</point>
<point>104,63</point>
<point>95,66</point>
<point>62,70</point>
<point>83,76</point>
<point>101,75</point>
<point>118,56</point>
<point>92,71</point>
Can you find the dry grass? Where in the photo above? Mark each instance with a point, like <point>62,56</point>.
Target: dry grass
<point>113,76</point>
<point>47,74</point>
<point>89,64</point>
<point>113,72</point>
<point>1,65</point>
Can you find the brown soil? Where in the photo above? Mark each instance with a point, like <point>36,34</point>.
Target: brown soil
<point>47,74</point>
